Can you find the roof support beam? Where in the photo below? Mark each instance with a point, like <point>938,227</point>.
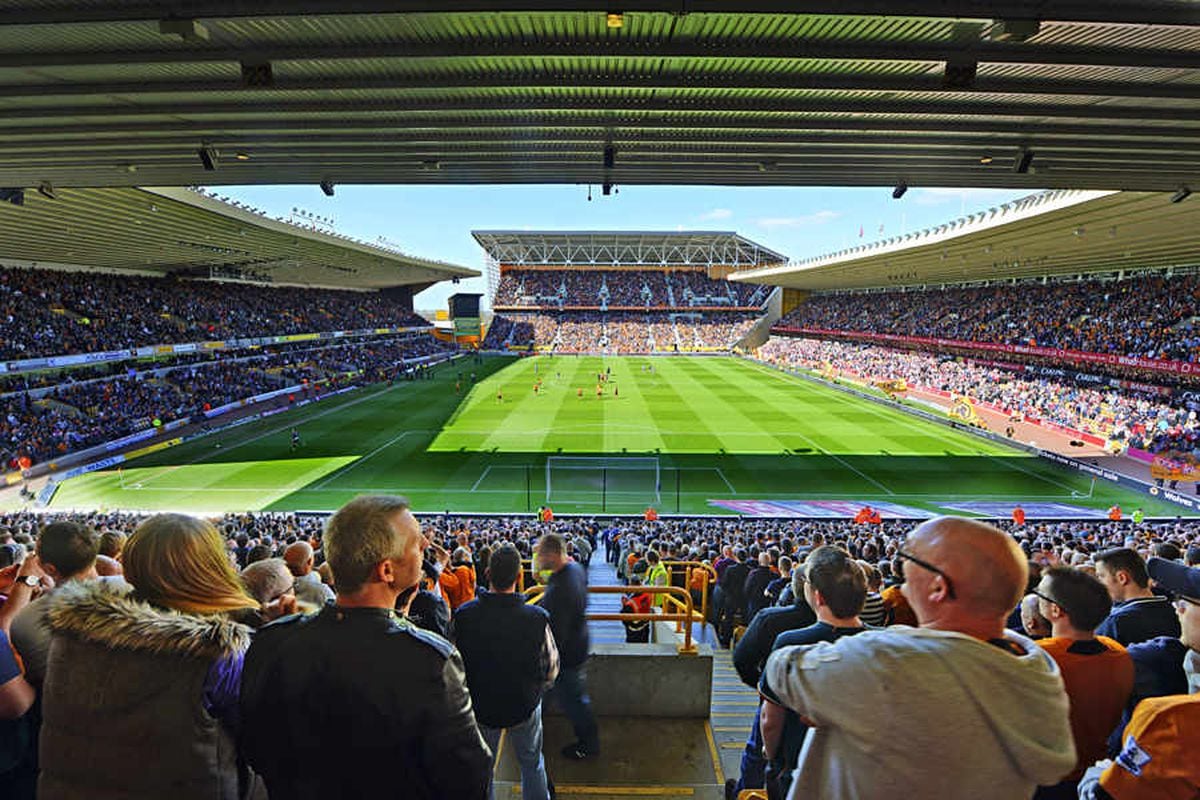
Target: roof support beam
<point>615,110</point>
<point>617,82</point>
<point>985,52</point>
<point>1159,12</point>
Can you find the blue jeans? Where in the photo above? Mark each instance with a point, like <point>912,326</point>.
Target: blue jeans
<point>526,741</point>
<point>571,694</point>
<point>754,766</point>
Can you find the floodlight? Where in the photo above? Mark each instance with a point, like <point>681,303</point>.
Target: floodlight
<point>1023,161</point>
<point>208,157</point>
<point>1182,194</point>
<point>46,190</point>
<point>327,187</point>
<point>899,191</point>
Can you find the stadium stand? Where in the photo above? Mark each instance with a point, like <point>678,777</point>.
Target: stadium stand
<point>1145,416</point>
<point>620,545</point>
<point>58,418</point>
<point>1150,316</point>
<point>631,304</point>
<point>45,313</point>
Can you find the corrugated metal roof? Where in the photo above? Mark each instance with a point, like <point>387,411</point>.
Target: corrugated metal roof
<point>496,92</point>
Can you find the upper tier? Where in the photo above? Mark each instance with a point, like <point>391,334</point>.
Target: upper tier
<point>45,312</point>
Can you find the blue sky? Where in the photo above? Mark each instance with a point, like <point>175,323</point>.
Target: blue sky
<point>436,221</point>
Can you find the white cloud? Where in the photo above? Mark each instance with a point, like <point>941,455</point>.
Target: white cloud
<point>804,221</point>
<point>716,213</point>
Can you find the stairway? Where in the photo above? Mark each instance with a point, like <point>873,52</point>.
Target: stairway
<point>646,757</point>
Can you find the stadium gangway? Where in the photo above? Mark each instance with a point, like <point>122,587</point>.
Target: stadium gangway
<point>689,568</point>
<point>682,598</point>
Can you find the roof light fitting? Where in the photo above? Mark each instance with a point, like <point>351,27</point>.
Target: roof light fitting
<point>899,191</point>
<point>1014,30</point>
<point>190,30</point>
<point>257,74</point>
<point>1183,193</point>
<point>208,157</point>
<point>327,187</point>
<point>985,159</point>
<point>615,19</point>
<point>960,74</point>
<point>46,190</point>
<point>1023,161</point>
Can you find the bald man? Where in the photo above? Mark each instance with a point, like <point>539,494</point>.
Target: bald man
<point>958,707</point>
<point>309,589</point>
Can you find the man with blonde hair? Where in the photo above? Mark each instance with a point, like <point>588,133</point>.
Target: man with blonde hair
<point>985,702</point>
<point>356,689</point>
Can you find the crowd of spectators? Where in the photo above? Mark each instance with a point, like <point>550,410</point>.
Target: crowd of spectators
<point>620,331</point>
<point>77,415</point>
<point>45,312</point>
<point>623,287</point>
<point>1150,420</point>
<point>1145,316</point>
<point>790,583</point>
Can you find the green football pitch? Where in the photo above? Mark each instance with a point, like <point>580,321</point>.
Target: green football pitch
<point>679,433</point>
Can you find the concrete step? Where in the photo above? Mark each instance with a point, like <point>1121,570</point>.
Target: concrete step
<point>639,757</point>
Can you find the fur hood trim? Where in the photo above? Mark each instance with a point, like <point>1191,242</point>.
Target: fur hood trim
<point>105,613</point>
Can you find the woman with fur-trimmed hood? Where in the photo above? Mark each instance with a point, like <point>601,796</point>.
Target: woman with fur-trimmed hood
<point>141,691</point>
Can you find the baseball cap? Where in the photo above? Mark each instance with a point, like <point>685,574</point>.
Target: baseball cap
<point>1175,577</point>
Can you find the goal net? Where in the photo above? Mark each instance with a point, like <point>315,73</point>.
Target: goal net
<point>594,479</point>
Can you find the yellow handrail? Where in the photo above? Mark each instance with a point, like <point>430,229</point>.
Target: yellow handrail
<point>690,567</point>
<point>675,594</point>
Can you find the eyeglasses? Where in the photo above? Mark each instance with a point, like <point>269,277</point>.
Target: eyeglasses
<point>926,565</point>
<point>1047,598</point>
<point>1181,601</point>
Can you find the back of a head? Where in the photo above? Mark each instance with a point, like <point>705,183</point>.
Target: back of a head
<point>989,569</point>
<point>112,543</point>
<point>69,547</point>
<point>1081,596</point>
<point>179,562</point>
<point>1192,557</point>
<point>359,536</point>
<point>267,579</point>
<point>297,557</point>
<point>839,579</point>
<point>1168,550</point>
<point>552,544</point>
<point>1125,559</point>
<point>504,566</point>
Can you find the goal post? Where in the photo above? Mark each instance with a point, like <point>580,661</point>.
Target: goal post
<point>595,479</point>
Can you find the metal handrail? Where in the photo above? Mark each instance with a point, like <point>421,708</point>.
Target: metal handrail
<point>691,566</point>
<point>675,594</point>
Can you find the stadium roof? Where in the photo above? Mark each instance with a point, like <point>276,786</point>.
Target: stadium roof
<point>167,230</point>
<point>1052,233</point>
<point>625,248</point>
<point>739,92</point>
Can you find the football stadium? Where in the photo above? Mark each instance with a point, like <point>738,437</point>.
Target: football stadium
<point>506,484</point>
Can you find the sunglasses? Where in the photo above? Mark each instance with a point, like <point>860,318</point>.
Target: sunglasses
<point>926,565</point>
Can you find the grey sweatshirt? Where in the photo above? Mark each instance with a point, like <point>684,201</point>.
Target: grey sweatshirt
<point>912,713</point>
